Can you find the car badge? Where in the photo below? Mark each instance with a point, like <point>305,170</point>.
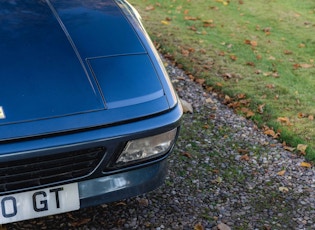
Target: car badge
<point>2,115</point>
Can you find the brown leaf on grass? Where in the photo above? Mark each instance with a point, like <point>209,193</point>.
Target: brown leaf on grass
<point>247,42</point>
<point>233,57</point>
<point>302,148</point>
<point>241,96</point>
<point>185,52</point>
<point>305,165</point>
<point>284,120</point>
<point>248,113</point>
<point>164,22</point>
<point>221,53</point>
<point>200,81</point>
<point>227,99</point>
<point>301,115</point>
<point>306,66</point>
<point>250,64</point>
<point>287,52</point>
<point>190,18</point>
<point>193,28</point>
<point>260,108</point>
<point>254,43</point>
<point>250,42</point>
<point>209,25</point>
<point>296,66</point>
<point>150,8</point>
<point>186,12</point>
<point>227,76</point>
<point>311,117</point>
<point>271,132</point>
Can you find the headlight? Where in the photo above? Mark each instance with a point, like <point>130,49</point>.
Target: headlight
<point>147,147</point>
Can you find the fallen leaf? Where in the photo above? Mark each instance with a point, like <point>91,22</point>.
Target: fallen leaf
<point>306,66</point>
<point>245,157</point>
<point>233,57</point>
<point>187,107</point>
<point>143,202</point>
<point>190,18</point>
<point>250,114</point>
<point>288,148</point>
<point>164,22</point>
<point>287,52</point>
<point>187,154</point>
<point>253,43</point>
<point>281,173</point>
<point>305,165</point>
<point>198,227</point>
<point>271,133</point>
<point>302,148</point>
<point>283,189</point>
<point>284,120</point>
<point>301,115</point>
<point>200,81</point>
<point>149,8</point>
<point>260,108</point>
<point>311,117</point>
<point>209,100</point>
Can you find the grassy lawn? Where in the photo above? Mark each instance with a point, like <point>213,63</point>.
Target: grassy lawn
<point>258,55</point>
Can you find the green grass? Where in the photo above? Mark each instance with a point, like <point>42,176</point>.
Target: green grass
<point>263,49</point>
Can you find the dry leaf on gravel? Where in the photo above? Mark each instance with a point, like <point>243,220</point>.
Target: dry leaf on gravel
<point>305,165</point>
<point>283,189</point>
<point>187,107</point>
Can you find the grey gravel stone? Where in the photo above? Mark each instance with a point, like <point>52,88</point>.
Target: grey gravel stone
<point>216,185</point>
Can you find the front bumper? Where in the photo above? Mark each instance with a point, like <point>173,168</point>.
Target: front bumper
<point>122,185</point>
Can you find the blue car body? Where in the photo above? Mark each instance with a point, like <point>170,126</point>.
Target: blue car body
<point>79,80</point>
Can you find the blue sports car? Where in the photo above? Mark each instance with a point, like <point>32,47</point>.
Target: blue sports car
<point>87,112</point>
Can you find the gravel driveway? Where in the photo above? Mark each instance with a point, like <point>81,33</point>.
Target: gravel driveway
<point>223,174</point>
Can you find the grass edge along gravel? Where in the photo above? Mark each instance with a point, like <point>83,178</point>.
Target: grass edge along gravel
<point>256,54</point>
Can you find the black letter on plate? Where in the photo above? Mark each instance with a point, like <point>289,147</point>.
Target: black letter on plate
<point>43,202</point>
<point>56,191</point>
<point>4,213</point>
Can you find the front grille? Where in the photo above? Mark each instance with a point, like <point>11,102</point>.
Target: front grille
<point>32,172</point>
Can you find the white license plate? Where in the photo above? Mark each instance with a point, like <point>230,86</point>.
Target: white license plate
<point>42,202</point>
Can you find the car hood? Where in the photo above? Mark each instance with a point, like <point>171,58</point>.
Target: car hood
<point>72,63</point>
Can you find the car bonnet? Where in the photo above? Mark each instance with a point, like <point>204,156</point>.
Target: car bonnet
<point>64,59</point>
